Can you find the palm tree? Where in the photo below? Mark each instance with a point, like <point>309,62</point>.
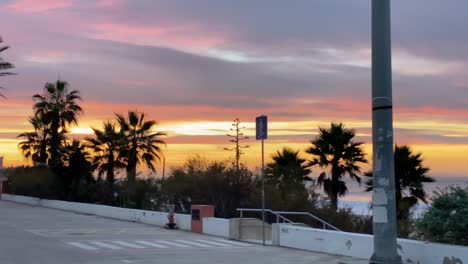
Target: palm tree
<point>77,166</point>
<point>35,145</point>
<point>287,167</point>
<point>142,144</point>
<point>57,107</point>
<point>4,65</point>
<point>410,176</point>
<point>105,147</point>
<point>334,150</point>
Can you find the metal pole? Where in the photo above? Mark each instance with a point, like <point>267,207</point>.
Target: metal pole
<point>263,193</point>
<point>383,199</point>
<point>164,167</point>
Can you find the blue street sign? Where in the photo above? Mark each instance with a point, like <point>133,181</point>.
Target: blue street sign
<point>261,127</point>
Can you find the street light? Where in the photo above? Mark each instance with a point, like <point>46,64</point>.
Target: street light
<point>383,198</point>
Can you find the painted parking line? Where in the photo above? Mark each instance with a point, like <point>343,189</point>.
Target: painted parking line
<point>126,244</point>
<point>82,246</point>
<point>151,244</point>
<point>104,245</point>
<point>158,244</point>
<point>193,243</point>
<point>173,244</point>
<point>213,243</point>
<point>232,242</point>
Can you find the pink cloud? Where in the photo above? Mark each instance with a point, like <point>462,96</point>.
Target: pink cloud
<point>108,3</point>
<point>182,36</point>
<point>29,6</point>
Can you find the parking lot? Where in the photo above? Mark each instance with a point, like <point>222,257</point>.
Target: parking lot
<point>40,235</point>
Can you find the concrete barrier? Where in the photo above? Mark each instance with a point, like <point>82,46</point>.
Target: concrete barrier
<point>134,215</point>
<point>362,246</point>
<point>216,226</point>
<point>248,229</point>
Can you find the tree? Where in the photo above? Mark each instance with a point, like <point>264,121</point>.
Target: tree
<point>236,138</point>
<point>287,167</point>
<point>142,144</point>
<point>106,148</point>
<point>78,168</point>
<point>57,107</point>
<point>410,176</point>
<point>446,221</point>
<point>216,183</point>
<point>35,145</point>
<point>4,65</point>
<point>334,150</point>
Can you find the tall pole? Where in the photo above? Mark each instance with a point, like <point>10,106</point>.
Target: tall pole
<point>383,198</point>
<point>164,167</point>
<point>263,192</point>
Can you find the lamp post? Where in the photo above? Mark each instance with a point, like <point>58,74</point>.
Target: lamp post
<point>383,198</point>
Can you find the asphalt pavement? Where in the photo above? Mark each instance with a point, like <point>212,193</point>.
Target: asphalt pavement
<point>37,235</point>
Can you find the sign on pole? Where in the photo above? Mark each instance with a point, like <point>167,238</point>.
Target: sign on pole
<point>261,127</point>
<point>261,134</point>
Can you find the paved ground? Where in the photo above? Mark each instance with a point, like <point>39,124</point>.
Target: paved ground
<point>36,235</point>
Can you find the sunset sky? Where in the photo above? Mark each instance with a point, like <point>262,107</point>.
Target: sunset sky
<point>196,65</point>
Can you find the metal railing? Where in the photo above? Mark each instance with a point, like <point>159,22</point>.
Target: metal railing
<point>279,216</point>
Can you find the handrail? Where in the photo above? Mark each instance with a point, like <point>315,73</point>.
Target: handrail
<point>279,214</point>
<point>266,210</point>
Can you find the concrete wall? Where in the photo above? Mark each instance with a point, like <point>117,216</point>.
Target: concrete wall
<point>361,246</point>
<point>216,226</point>
<point>134,215</point>
<point>249,229</point>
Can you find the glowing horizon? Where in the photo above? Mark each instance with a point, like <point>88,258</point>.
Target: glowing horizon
<point>197,70</point>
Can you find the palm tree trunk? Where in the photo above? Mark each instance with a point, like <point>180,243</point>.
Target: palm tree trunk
<point>131,166</point>
<point>54,160</point>
<point>334,201</point>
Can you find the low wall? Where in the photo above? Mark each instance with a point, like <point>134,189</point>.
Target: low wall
<point>216,226</point>
<point>248,229</point>
<point>362,246</point>
<point>134,215</point>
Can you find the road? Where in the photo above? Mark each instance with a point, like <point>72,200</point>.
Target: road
<point>37,235</point>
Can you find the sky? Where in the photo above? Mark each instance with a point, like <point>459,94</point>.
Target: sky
<point>195,66</point>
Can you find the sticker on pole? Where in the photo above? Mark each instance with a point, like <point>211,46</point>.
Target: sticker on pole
<point>261,127</point>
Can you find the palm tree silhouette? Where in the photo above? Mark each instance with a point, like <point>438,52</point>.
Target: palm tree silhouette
<point>35,145</point>
<point>57,107</point>
<point>334,150</point>
<point>142,144</point>
<point>106,147</point>
<point>4,65</point>
<point>287,167</point>
<point>410,176</point>
<point>76,158</point>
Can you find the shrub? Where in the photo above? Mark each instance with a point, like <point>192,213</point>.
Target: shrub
<point>446,221</point>
<point>38,182</point>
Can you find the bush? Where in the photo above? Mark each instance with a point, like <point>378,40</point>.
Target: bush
<point>140,194</point>
<point>38,182</point>
<point>200,182</point>
<point>446,221</point>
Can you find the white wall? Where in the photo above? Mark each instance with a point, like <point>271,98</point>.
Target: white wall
<point>216,226</point>
<point>141,216</point>
<point>362,246</point>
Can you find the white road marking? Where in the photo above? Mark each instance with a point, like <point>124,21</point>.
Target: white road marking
<point>173,244</point>
<point>82,246</point>
<point>150,244</point>
<point>104,245</point>
<point>126,244</point>
<point>214,243</point>
<point>193,243</point>
<point>231,242</point>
